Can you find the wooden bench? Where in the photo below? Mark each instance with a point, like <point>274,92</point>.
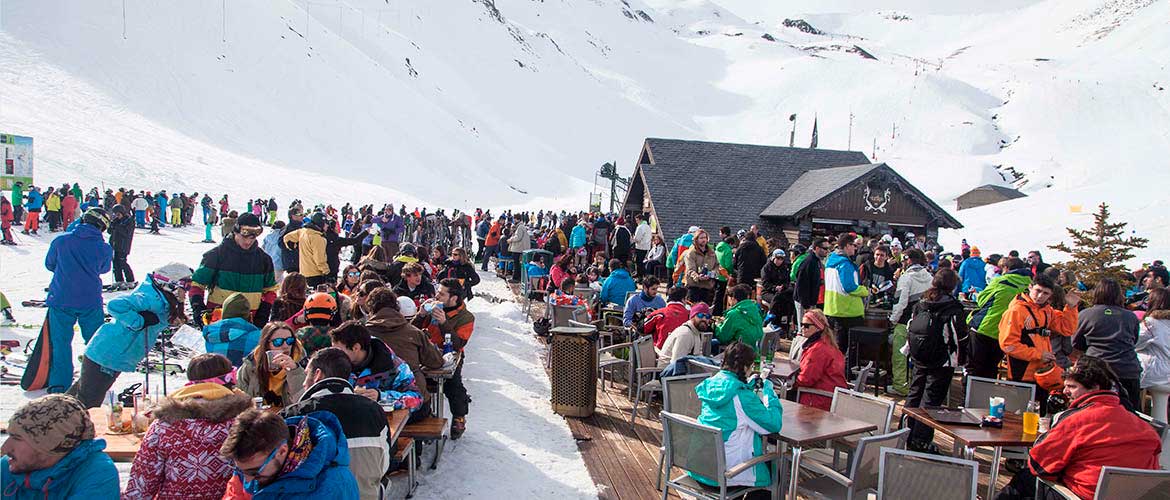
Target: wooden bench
<point>429,429</point>
<point>405,453</point>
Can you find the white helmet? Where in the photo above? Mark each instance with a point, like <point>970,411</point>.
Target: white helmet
<point>407,307</point>
<point>172,275</point>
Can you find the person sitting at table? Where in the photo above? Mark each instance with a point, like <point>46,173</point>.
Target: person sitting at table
<point>388,323</point>
<point>617,284</point>
<point>297,457</point>
<point>1095,431</point>
<point>535,267</point>
<point>179,456</point>
<point>744,409</point>
<point>687,339</point>
<point>279,380</point>
<point>367,434</point>
<point>648,299</point>
<point>51,452</point>
<point>742,322</point>
<point>822,366</point>
<point>377,372</point>
<point>564,268</point>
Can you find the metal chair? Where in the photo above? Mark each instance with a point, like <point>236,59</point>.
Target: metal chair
<point>908,474</point>
<point>607,361</point>
<point>533,285</point>
<point>698,448</point>
<point>863,377</point>
<point>645,366</point>
<point>1120,482</point>
<point>694,366</point>
<point>564,315</point>
<point>864,468</point>
<point>679,397</point>
<point>705,339</point>
<point>586,294</point>
<point>856,405</point>
<point>1016,395</point>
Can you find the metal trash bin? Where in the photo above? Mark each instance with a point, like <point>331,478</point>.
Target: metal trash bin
<point>573,356</point>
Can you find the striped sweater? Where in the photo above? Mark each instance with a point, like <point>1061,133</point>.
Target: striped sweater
<point>227,269</point>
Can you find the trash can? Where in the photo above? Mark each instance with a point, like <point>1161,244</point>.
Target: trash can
<point>573,356</point>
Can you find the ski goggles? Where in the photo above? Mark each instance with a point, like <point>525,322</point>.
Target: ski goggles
<point>251,232</point>
<point>182,284</point>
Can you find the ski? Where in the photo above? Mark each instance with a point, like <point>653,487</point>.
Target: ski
<point>33,303</point>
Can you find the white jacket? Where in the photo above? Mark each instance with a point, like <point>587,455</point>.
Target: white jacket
<point>520,240</point>
<point>682,341</point>
<point>140,203</point>
<point>643,236</point>
<point>1153,351</point>
<point>914,282</point>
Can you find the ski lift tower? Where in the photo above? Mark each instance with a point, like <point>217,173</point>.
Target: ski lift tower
<point>617,183</point>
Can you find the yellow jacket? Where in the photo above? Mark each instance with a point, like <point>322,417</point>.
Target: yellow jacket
<point>311,247</point>
<point>53,203</point>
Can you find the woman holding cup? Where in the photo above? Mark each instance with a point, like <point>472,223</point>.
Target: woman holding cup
<point>273,370</point>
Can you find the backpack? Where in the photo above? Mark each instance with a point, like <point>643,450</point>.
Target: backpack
<point>927,338</point>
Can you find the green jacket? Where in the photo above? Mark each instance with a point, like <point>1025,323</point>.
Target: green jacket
<point>796,265</point>
<point>743,323</point>
<point>741,424</point>
<point>995,299</point>
<point>724,253</point>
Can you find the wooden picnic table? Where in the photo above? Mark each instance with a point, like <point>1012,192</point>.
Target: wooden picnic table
<point>120,447</point>
<point>805,425</point>
<point>396,420</point>
<point>439,375</point>
<point>972,436</point>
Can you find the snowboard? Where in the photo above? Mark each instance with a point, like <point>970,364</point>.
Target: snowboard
<point>36,373</point>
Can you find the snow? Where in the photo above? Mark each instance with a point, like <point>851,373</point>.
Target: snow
<point>514,445</point>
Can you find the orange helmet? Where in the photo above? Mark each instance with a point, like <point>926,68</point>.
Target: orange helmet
<point>320,305</point>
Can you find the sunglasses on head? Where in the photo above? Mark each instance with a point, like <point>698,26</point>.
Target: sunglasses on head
<point>283,341</point>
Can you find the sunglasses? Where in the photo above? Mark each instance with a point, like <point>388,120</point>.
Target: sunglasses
<point>355,274</point>
<point>807,325</point>
<point>289,341</point>
<point>703,316</point>
<point>251,232</point>
<point>255,472</point>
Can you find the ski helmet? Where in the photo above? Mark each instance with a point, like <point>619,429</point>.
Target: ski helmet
<point>320,305</point>
<point>96,217</point>
<point>172,276</point>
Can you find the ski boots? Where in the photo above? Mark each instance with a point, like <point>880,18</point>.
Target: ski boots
<point>458,427</point>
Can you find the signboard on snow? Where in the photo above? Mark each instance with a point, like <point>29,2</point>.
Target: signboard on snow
<point>17,155</point>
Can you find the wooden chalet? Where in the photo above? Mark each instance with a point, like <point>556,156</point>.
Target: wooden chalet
<point>791,193</point>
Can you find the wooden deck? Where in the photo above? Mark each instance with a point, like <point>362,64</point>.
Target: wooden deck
<point>623,459</point>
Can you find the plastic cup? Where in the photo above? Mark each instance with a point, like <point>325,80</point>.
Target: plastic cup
<point>995,407</point>
<point>1031,422</point>
<point>272,366</point>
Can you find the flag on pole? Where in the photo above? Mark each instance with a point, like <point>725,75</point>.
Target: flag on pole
<point>814,137</point>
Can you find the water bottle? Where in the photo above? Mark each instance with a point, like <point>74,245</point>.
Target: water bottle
<point>447,347</point>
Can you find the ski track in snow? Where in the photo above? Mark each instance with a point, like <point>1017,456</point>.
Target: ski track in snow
<point>515,446</point>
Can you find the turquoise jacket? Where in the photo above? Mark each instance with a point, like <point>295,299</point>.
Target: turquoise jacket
<point>616,286</point>
<point>743,323</point>
<point>120,344</point>
<point>86,472</point>
<point>577,237</point>
<point>843,290</point>
<point>730,405</point>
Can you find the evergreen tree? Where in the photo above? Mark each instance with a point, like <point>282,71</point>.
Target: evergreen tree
<point>1100,251</point>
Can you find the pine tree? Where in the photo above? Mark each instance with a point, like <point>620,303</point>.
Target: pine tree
<point>1100,251</point>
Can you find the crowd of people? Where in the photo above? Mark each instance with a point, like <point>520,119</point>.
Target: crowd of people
<point>324,347</point>
<point>303,358</point>
<point>950,313</point>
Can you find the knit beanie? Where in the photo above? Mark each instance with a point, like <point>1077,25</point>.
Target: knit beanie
<point>248,219</point>
<point>53,424</point>
<point>236,306</point>
<point>700,308</point>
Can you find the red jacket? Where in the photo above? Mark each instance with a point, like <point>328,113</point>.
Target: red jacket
<point>663,321</point>
<point>1096,431</point>
<point>822,367</point>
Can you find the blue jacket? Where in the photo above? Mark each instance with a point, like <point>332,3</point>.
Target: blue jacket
<point>325,472</point>
<point>616,286</point>
<point>78,259</point>
<point>639,302</point>
<point>392,226</point>
<point>36,201</point>
<point>120,344</point>
<point>162,204</point>
<point>577,237</point>
<point>481,230</point>
<point>232,337</point>
<point>86,472</point>
<point>271,246</point>
<point>973,272</point>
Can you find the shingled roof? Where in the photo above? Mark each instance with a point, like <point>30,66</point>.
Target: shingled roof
<point>813,186</point>
<point>713,184</point>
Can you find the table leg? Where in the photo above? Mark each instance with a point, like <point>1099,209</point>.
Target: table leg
<point>780,491</point>
<point>995,456</point>
<point>796,452</point>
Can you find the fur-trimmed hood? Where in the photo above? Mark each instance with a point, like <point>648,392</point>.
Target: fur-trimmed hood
<point>200,402</point>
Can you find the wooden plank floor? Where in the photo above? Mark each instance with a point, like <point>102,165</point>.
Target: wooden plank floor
<point>623,459</point>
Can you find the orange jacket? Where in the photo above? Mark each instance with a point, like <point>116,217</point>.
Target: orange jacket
<point>493,236</point>
<point>460,324</point>
<point>1024,333</point>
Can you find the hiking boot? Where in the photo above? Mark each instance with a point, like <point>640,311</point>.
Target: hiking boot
<point>458,427</point>
<point>892,391</point>
<point>1014,465</point>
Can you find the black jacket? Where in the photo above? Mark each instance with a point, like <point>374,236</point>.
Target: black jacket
<point>362,420</point>
<point>621,240</point>
<point>463,272</point>
<point>290,257</point>
<point>121,234</point>
<point>808,281</point>
<point>748,260</point>
<point>424,290</point>
<point>333,245</point>
<point>773,276</point>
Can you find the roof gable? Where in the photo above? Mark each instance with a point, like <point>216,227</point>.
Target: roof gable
<point>813,186</point>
